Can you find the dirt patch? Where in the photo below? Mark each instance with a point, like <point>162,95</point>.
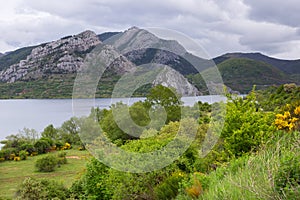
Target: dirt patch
<point>73,157</point>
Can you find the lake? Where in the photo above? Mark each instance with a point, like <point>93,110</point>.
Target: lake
<point>38,113</point>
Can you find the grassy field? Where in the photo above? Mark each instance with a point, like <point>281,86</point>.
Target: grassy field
<point>12,173</point>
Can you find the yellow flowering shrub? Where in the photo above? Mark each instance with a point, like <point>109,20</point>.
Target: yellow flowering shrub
<point>289,120</point>
<point>66,146</point>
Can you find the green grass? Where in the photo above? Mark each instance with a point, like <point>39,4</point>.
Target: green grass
<point>252,177</point>
<point>13,173</point>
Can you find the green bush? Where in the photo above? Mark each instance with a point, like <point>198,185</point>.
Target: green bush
<point>42,146</point>
<point>61,158</point>
<point>27,147</point>
<point>7,152</point>
<point>246,127</point>
<point>46,164</point>
<point>23,155</point>
<point>168,189</point>
<point>33,189</point>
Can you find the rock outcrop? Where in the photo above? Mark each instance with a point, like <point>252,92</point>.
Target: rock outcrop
<point>62,56</point>
<point>168,77</point>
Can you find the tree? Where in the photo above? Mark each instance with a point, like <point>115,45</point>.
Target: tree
<point>69,131</point>
<point>167,98</point>
<point>50,132</point>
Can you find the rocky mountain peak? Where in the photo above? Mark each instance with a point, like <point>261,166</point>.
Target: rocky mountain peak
<point>62,56</point>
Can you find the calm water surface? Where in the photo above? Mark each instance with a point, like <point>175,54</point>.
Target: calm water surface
<point>37,114</point>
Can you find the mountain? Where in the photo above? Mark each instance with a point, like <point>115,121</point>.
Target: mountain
<point>48,70</point>
<point>60,57</point>
<point>1,54</point>
<point>287,66</point>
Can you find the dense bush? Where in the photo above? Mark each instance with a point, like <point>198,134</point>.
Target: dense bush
<point>61,158</point>
<point>42,146</point>
<point>23,155</point>
<point>34,189</point>
<point>169,188</point>
<point>47,163</point>
<point>28,147</point>
<point>246,126</point>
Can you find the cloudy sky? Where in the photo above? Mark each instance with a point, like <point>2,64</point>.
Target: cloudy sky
<point>220,26</point>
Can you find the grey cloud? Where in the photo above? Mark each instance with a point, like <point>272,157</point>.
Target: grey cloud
<point>275,11</point>
<point>219,26</point>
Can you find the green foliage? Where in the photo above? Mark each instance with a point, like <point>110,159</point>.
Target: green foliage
<point>256,175</point>
<point>287,179</point>
<point>61,158</point>
<point>94,180</point>
<point>23,155</point>
<point>7,153</point>
<point>69,131</point>
<point>276,97</point>
<point>168,99</point>
<point>169,188</point>
<point>246,126</point>
<point>33,189</point>
<point>27,147</point>
<point>50,132</point>
<point>241,74</point>
<point>111,128</point>
<point>42,146</point>
<point>47,163</point>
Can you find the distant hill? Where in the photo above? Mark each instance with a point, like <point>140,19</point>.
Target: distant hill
<point>13,57</point>
<point>241,74</point>
<point>287,66</point>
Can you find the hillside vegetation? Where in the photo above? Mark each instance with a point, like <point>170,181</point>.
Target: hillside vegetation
<point>256,155</point>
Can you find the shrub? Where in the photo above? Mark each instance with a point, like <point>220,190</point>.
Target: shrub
<point>59,145</point>
<point>168,189</point>
<point>33,189</point>
<point>47,163</point>
<point>246,126</point>
<point>62,158</point>
<point>17,158</point>
<point>8,154</point>
<point>23,155</point>
<point>42,146</point>
<point>27,147</point>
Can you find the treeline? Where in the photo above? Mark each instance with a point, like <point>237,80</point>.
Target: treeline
<point>31,143</point>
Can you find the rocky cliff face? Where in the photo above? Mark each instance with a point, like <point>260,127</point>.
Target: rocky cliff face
<point>171,78</point>
<point>62,56</point>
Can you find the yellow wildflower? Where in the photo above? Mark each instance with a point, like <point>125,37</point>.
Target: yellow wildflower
<point>297,110</point>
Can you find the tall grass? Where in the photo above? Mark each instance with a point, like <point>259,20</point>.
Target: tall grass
<point>252,177</point>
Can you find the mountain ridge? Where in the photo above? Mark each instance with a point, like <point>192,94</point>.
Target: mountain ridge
<point>62,58</point>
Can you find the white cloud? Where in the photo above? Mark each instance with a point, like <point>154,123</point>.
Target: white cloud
<point>219,26</point>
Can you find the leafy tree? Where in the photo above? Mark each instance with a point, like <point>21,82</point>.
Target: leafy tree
<point>50,132</point>
<point>110,126</point>
<point>167,98</point>
<point>69,131</point>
